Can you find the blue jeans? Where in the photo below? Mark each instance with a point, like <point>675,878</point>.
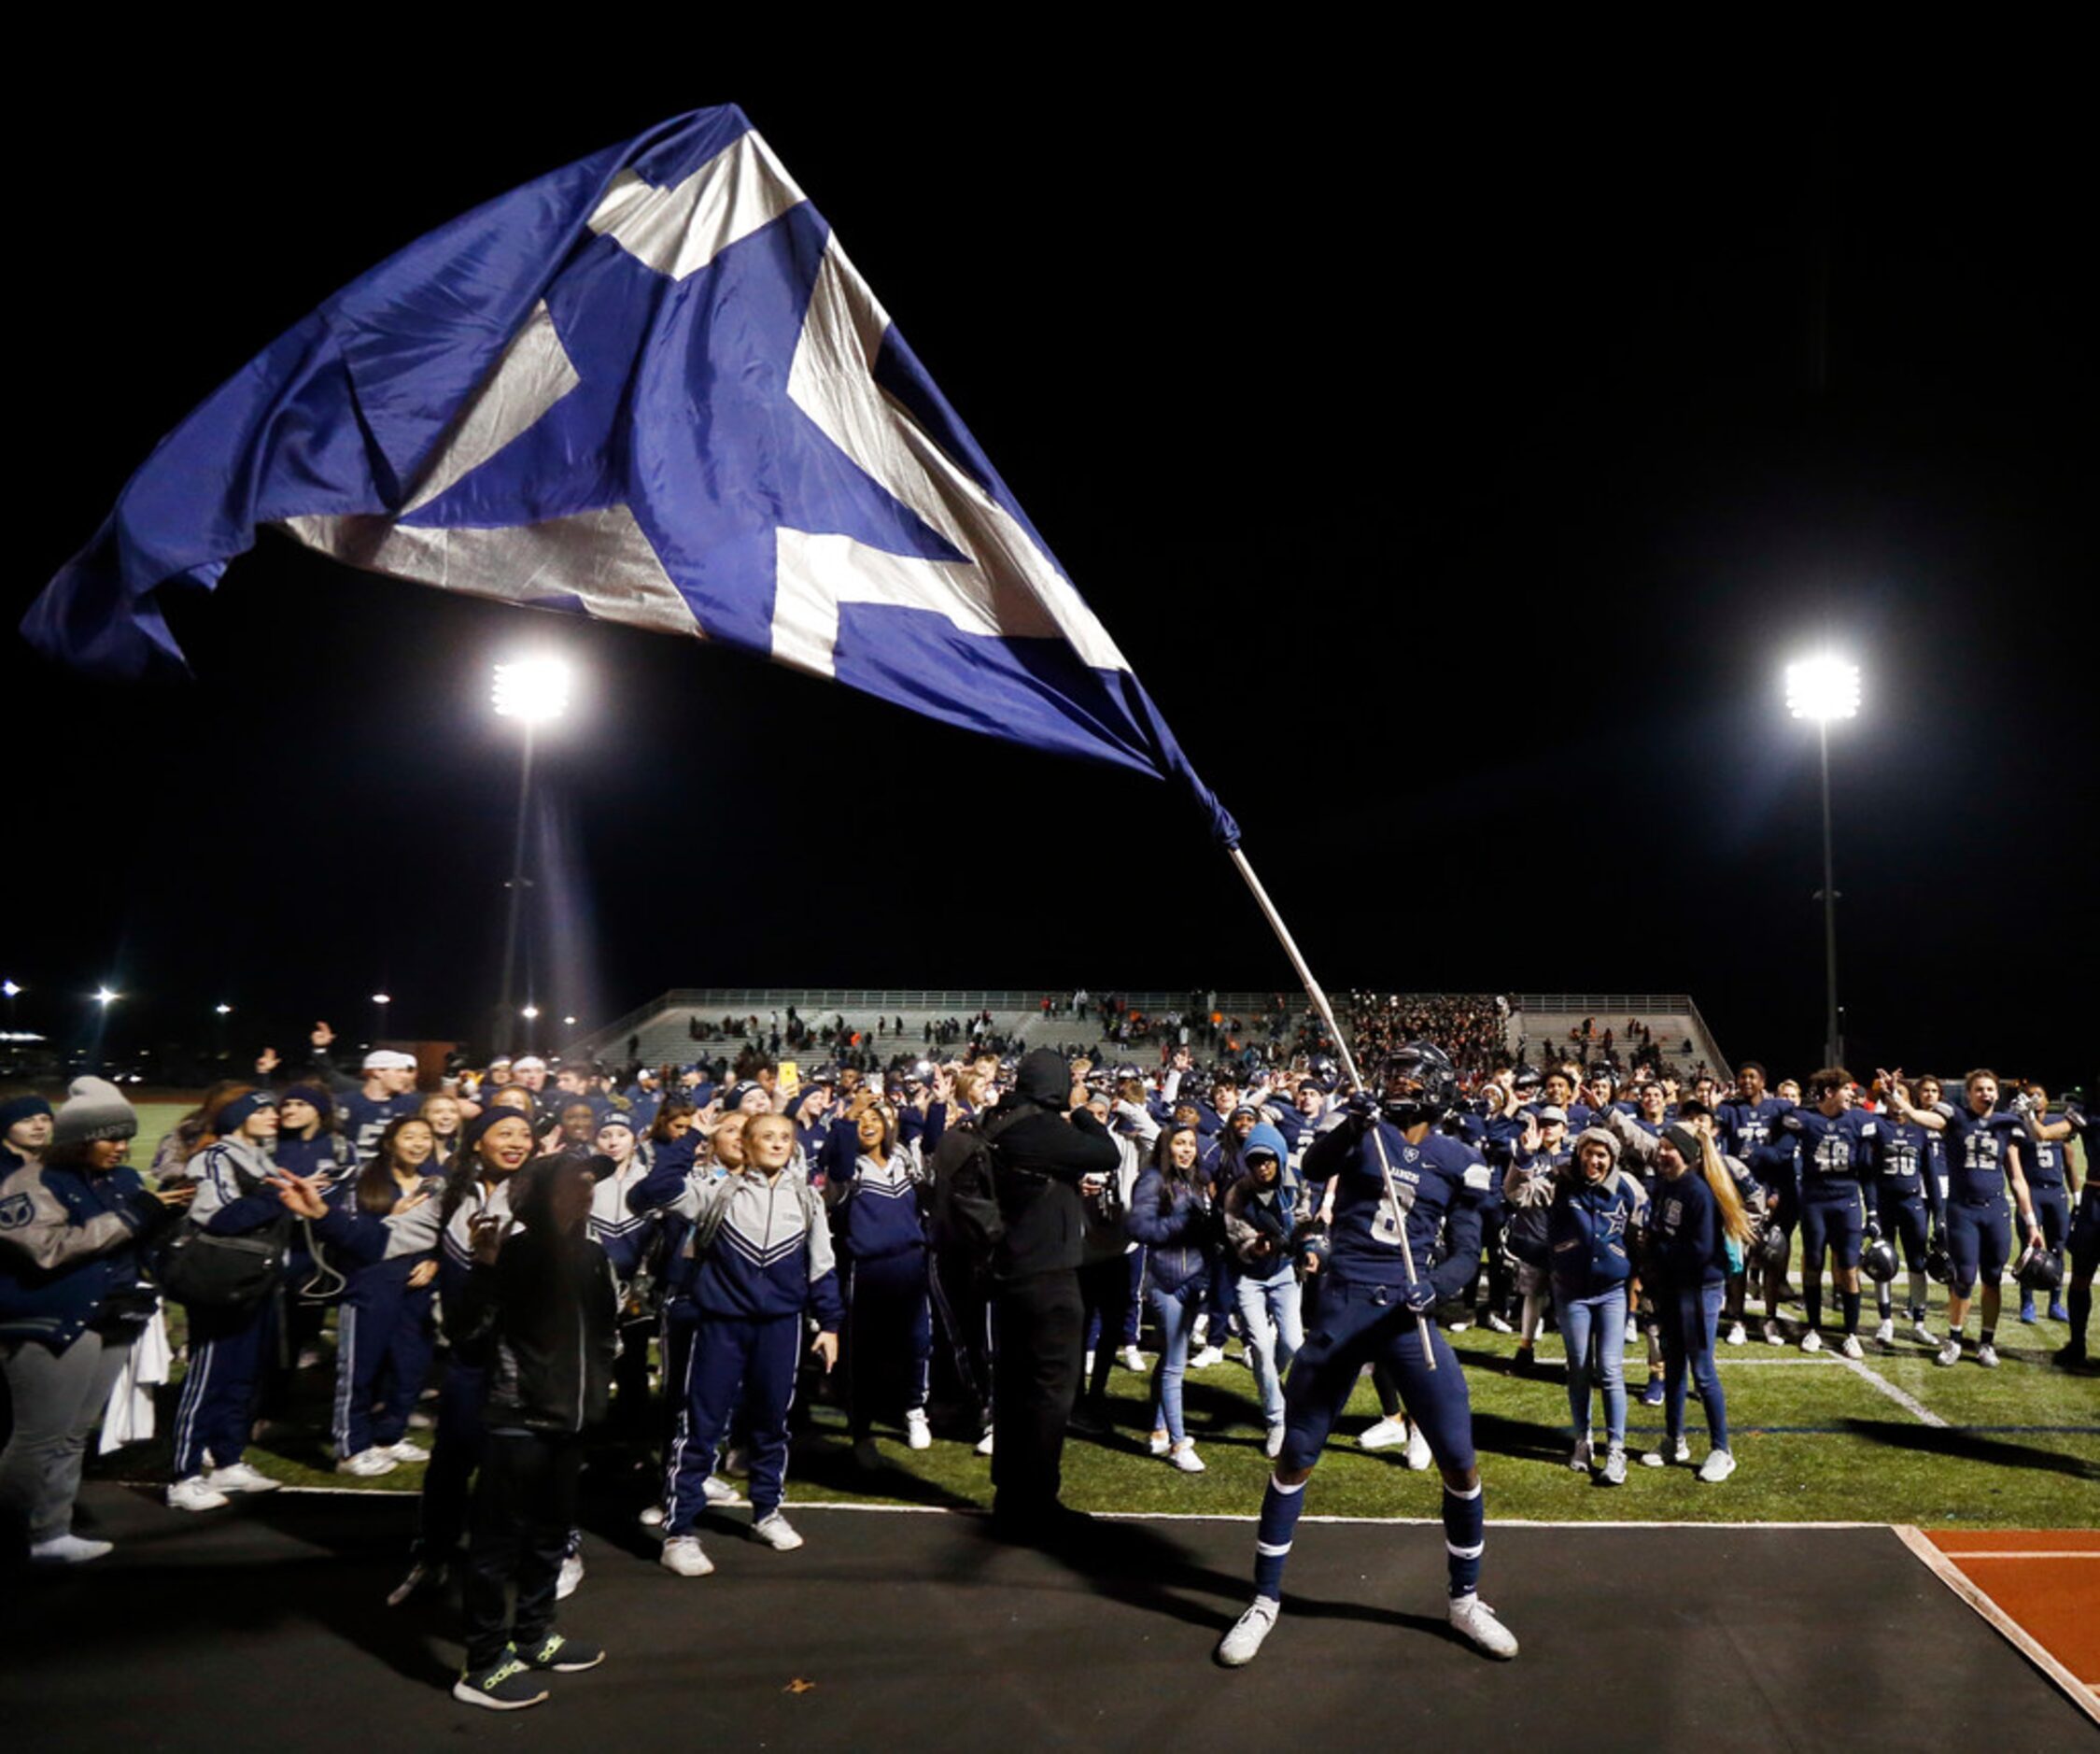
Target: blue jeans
<point>1176,1311</point>
<point>1603,1316</point>
<point>1271,1325</point>
<point>1688,1317</point>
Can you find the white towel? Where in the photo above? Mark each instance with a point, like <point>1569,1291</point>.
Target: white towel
<point>129,1416</point>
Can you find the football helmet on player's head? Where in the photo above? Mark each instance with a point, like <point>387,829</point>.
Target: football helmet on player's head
<point>1417,1084</point>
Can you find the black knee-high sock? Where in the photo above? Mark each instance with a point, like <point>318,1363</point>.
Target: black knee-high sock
<point>2078,1307</point>
<point>1811,1299</point>
<point>1849,1302</point>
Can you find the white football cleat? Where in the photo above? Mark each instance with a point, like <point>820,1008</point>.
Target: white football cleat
<point>1949,1353</point>
<point>1987,1355</point>
<point>1473,1621</point>
<point>1738,1335</point>
<point>1812,1342</point>
<point>1237,1648</point>
<point>1851,1348</point>
<point>1885,1333</point>
<point>918,1434</point>
<point>1774,1335</point>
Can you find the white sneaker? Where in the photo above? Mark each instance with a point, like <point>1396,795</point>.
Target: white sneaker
<point>1987,1355</point>
<point>1383,1436</point>
<point>1419,1455</point>
<point>776,1532</point>
<point>1812,1342</point>
<point>1579,1458</point>
<point>367,1464</point>
<point>714,1490</point>
<point>1158,1442</point>
<point>736,1465</point>
<point>1885,1333</point>
<point>1773,1334</point>
<point>66,1549</point>
<point>1133,1359</point>
<point>1738,1335</point>
<point>682,1553</point>
<point>1272,1446</point>
<point>1495,1325</point>
<point>1461,1325</point>
<point>240,1477</point>
<point>1717,1466</point>
<point>652,1517</point>
<point>1183,1456</point>
<point>1948,1354</point>
<point>1204,1360</point>
<point>1614,1465</point>
<point>1851,1348</point>
<point>571,1574</point>
<point>1473,1619</point>
<point>1237,1648</point>
<point>408,1450</point>
<point>1665,1452</point>
<point>1921,1333</point>
<point>984,1443</point>
<point>918,1434</point>
<point>195,1493</point>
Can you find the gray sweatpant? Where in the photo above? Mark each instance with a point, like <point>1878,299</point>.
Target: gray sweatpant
<point>58,1402</point>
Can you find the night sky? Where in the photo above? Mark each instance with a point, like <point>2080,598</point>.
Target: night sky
<point>1445,451</point>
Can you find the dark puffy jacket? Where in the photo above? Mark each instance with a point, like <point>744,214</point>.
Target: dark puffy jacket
<point>1039,1160</point>
<point>546,1312</point>
<point>1180,1236</point>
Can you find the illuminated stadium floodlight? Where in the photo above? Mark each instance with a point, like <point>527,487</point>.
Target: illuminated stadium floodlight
<point>1823,689</point>
<point>106,998</point>
<point>533,689</point>
<point>1820,689</point>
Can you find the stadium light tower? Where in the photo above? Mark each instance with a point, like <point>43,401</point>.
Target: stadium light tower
<point>1825,688</point>
<point>534,691</point>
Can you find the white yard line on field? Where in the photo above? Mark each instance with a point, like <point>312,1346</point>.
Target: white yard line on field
<point>1909,1403</point>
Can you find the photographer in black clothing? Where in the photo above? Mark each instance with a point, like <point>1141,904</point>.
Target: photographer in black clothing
<point>1042,1164</point>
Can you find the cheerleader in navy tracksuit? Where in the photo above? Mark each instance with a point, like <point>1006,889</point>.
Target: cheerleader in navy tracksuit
<point>386,1332</point>
<point>875,1177</point>
<point>759,1257</point>
<point>626,1238</point>
<point>228,1345</point>
<point>1170,1212</point>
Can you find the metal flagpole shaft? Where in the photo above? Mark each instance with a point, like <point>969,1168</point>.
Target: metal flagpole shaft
<point>1424,1320</point>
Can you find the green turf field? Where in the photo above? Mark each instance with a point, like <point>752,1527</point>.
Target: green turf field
<point>1816,1440</point>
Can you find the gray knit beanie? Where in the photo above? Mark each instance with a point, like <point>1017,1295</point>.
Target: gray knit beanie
<point>1598,1136</point>
<point>94,1109</point>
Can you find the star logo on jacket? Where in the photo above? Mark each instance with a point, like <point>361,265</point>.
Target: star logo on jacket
<point>1614,1224</point>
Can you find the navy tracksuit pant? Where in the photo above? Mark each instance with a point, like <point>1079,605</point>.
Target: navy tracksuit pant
<point>889,1336</point>
<point>384,1339</point>
<point>734,1366</point>
<point>229,1352</point>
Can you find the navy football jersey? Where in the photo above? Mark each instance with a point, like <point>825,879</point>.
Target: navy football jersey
<point>1829,1149</point>
<point>1975,1151</point>
<point>364,1118</point>
<point>1441,1182</point>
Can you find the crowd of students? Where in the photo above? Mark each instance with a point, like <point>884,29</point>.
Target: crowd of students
<point>531,1249</point>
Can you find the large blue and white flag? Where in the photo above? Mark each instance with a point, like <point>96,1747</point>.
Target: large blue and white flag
<point>648,387</point>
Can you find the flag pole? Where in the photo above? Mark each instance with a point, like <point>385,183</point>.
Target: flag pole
<point>1424,1321</point>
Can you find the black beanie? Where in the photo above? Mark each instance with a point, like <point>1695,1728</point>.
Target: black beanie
<point>1688,1143</point>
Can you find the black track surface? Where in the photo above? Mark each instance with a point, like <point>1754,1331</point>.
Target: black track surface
<point>262,1627</point>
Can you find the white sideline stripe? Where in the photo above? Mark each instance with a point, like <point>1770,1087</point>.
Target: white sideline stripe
<point>1909,1403</point>
<point>2076,1552</point>
<point>1250,1518</point>
<point>1943,1566</point>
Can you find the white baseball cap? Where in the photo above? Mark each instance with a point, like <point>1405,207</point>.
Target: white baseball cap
<point>390,1060</point>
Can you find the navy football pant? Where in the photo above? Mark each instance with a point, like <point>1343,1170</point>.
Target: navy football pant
<point>1979,1243</point>
<point>1351,1327</point>
<point>1832,1223</point>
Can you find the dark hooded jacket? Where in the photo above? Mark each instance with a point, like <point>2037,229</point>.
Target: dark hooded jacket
<point>1039,1158</point>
